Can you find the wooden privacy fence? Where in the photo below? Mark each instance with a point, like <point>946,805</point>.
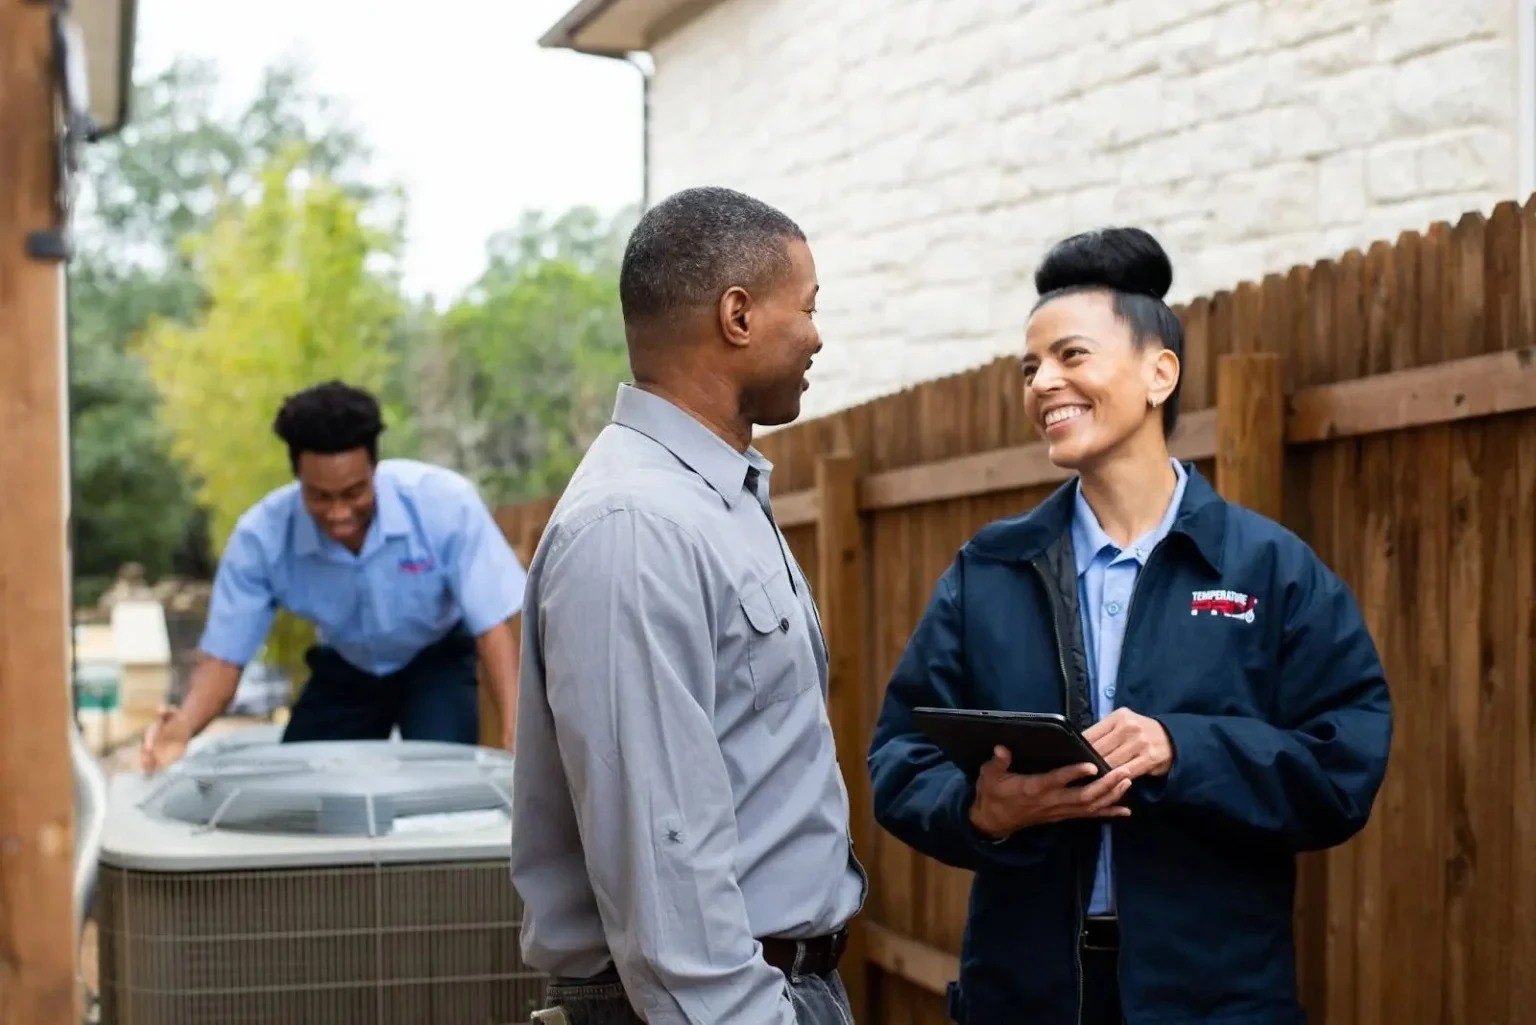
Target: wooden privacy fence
<point>1383,406</point>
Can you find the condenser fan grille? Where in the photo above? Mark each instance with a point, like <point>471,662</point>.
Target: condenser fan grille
<point>374,945</point>
<point>367,788</point>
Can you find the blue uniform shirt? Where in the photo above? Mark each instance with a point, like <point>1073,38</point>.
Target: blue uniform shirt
<point>1106,575</point>
<point>433,557</point>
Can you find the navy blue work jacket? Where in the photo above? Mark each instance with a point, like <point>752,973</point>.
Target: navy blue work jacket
<point>1255,658</point>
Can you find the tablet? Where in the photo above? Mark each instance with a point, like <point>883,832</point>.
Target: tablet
<point>1038,741</point>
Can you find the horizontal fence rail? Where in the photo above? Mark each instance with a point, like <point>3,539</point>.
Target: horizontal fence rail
<point>1501,382</point>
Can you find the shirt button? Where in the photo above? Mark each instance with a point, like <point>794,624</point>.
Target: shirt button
<point>1109,692</point>
<point>1113,608</point>
<point>784,626</point>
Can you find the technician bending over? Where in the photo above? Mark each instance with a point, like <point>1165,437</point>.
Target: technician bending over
<point>1223,673</point>
<point>398,564</point>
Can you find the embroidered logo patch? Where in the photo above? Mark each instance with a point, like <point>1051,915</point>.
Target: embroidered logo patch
<point>416,565</point>
<point>1232,604</point>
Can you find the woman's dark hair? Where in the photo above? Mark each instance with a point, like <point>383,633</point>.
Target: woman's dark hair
<point>329,418</point>
<point>1131,265</point>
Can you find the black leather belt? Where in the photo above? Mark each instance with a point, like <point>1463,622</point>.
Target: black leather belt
<point>1101,933</point>
<point>817,955</point>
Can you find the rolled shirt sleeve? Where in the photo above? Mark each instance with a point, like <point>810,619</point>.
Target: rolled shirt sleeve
<point>242,607</point>
<point>485,574</point>
<point>627,630</point>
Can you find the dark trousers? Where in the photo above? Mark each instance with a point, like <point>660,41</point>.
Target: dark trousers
<point>432,697</point>
<point>1101,983</point>
<point>817,999</point>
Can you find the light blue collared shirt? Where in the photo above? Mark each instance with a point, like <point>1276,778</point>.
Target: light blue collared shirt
<point>433,558</point>
<point>1106,575</point>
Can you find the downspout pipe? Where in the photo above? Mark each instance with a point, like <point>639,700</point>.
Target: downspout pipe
<point>642,63</point>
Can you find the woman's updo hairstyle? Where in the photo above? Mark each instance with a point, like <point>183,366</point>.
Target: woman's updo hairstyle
<point>1131,265</point>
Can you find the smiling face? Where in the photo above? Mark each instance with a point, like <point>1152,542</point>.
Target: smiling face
<point>1090,389</point>
<point>338,492</point>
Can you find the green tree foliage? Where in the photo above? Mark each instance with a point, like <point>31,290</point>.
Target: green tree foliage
<point>254,257</point>
<point>299,289</point>
<point>143,193</point>
<point>131,501</point>
<point>160,181</point>
<point>294,297</point>
<point>518,377</point>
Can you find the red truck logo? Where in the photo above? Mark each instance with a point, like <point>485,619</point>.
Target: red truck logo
<point>1232,604</point>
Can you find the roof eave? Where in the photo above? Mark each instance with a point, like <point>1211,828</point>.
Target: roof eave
<point>564,34</point>
<point>638,26</point>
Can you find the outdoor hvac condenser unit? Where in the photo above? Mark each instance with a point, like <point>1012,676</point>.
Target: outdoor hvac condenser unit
<point>345,883</point>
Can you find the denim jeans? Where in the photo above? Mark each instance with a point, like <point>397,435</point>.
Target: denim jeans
<point>818,1000</point>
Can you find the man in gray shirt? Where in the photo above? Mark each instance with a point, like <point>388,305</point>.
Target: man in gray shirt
<point>680,834</point>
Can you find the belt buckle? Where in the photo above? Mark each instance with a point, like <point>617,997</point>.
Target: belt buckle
<point>1105,928</point>
<point>839,943</point>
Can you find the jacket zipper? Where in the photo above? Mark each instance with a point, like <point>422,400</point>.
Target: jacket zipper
<point>1061,657</point>
<point>1066,704</point>
<point>1066,694</point>
<point>1077,948</point>
<point>1130,605</point>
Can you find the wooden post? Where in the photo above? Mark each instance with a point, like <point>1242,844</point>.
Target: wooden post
<point>509,520</point>
<point>1250,431</point>
<point>37,931</point>
<point>528,542</point>
<point>490,710</point>
<point>523,535</point>
<point>842,600</point>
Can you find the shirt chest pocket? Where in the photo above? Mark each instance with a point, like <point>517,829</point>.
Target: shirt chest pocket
<point>417,596</point>
<point>779,656</point>
<point>325,595</point>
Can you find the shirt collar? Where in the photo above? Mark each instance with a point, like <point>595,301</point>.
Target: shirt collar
<point>1089,538</point>
<point>703,451</point>
<point>389,506</point>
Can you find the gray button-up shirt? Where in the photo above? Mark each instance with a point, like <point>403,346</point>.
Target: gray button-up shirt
<point>676,790</point>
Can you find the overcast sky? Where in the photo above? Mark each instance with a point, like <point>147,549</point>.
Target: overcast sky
<point>456,98</point>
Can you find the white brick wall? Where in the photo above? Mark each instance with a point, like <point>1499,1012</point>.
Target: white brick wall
<point>932,149</point>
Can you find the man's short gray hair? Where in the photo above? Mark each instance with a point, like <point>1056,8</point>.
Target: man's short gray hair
<point>692,246</point>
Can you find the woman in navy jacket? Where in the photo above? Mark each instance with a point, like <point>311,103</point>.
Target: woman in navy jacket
<point>1219,668</point>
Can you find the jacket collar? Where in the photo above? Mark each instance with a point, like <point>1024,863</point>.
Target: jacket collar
<point>1202,518</point>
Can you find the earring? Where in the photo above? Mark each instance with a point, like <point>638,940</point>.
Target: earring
<point>1155,402</point>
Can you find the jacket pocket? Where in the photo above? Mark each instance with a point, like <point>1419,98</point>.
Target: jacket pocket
<point>779,656</point>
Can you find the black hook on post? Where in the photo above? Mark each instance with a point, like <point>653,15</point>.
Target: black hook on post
<point>52,244</point>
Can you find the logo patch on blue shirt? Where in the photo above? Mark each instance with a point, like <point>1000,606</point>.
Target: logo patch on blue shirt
<point>416,565</point>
